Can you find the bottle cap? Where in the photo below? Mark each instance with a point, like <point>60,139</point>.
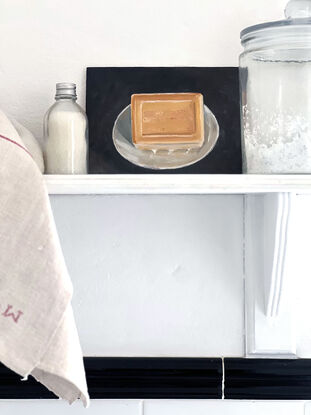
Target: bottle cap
<point>65,89</point>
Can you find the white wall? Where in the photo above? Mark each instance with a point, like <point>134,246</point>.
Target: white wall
<point>155,275</point>
<point>44,42</point>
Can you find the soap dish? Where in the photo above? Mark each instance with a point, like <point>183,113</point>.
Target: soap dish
<point>162,159</point>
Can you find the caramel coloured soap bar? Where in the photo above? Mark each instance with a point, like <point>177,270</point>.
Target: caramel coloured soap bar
<point>167,121</point>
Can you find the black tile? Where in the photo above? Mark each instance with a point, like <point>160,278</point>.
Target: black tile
<point>267,379</point>
<point>122,378</point>
<point>11,387</point>
<point>154,378</point>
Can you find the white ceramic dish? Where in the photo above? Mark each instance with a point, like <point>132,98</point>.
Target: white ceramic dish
<point>162,159</point>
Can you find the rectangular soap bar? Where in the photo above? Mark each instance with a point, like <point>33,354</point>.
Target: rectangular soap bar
<point>167,121</point>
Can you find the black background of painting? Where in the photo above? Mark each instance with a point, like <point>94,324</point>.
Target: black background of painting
<point>109,90</point>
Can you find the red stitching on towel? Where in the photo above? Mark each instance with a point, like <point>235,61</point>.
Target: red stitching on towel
<point>14,317</point>
<point>14,142</point>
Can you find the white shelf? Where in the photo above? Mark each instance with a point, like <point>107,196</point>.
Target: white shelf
<point>176,184</point>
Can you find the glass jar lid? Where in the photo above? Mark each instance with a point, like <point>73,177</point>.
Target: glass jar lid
<point>296,28</point>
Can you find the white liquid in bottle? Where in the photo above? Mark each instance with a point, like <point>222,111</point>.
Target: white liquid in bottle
<point>65,130</point>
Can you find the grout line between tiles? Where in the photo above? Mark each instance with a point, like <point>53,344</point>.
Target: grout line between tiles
<point>223,379</point>
<point>141,407</point>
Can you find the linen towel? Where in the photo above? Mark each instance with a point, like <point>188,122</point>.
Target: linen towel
<point>38,335</point>
<point>30,143</point>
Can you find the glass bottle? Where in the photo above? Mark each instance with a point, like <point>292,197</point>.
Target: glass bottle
<point>275,80</point>
<point>65,133</point>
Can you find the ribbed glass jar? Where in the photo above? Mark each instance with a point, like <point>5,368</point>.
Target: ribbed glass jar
<point>275,82</point>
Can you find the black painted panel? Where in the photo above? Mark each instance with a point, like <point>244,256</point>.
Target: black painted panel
<point>267,379</point>
<point>109,90</point>
<point>132,378</point>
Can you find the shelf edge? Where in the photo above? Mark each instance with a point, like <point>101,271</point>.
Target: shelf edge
<point>175,184</point>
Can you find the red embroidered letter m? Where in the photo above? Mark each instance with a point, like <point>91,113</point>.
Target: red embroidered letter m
<point>9,313</point>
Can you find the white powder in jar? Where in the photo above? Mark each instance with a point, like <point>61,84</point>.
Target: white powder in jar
<point>277,118</point>
<point>276,143</point>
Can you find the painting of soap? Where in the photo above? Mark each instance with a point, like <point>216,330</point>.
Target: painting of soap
<point>181,120</point>
<point>167,121</point>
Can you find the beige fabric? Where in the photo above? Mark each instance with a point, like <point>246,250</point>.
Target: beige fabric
<point>38,333</point>
<point>30,143</point>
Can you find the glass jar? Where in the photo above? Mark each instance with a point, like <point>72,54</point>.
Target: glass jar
<point>66,134</point>
<point>275,82</point>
